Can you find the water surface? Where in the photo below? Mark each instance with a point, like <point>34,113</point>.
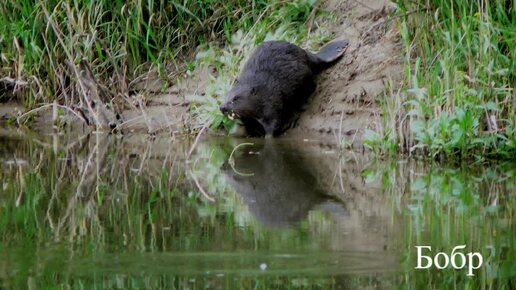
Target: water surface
<point>134,212</point>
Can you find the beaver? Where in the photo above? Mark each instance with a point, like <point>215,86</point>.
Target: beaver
<point>275,83</point>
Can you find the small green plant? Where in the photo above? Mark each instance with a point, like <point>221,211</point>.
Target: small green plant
<point>460,76</point>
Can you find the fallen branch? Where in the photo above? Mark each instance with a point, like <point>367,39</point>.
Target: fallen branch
<point>46,107</point>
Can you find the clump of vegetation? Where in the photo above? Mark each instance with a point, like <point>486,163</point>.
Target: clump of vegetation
<point>458,96</point>
<point>80,53</point>
<point>76,52</point>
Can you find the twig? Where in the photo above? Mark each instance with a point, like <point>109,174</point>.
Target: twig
<point>126,122</point>
<point>398,16</point>
<point>366,6</point>
<point>45,107</point>
<point>339,141</point>
<point>231,161</point>
<point>72,67</point>
<point>207,196</point>
<point>14,82</point>
<point>197,139</point>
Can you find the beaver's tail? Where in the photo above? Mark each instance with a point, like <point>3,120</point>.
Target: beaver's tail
<point>328,54</point>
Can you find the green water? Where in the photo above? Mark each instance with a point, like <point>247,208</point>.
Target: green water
<point>133,212</point>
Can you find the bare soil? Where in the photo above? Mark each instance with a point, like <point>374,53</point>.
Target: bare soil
<point>347,97</point>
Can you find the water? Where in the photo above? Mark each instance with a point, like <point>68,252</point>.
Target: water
<point>133,212</point>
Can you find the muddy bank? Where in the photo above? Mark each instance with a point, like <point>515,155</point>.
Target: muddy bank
<point>345,103</point>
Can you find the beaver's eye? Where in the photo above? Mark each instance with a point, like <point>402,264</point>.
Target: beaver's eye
<point>236,98</point>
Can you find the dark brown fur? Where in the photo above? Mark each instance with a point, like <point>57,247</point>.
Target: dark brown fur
<point>275,83</point>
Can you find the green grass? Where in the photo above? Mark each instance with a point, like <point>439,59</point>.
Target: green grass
<point>458,96</point>
<point>119,40</point>
<point>69,50</point>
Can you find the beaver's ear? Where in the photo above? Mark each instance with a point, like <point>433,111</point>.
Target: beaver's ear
<point>253,90</point>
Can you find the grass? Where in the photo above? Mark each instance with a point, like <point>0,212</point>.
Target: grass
<point>80,53</point>
<point>458,97</point>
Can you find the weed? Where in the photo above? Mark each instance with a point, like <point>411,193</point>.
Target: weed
<point>460,72</point>
<point>43,43</point>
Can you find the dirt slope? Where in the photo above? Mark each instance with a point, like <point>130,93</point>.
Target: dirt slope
<point>350,90</point>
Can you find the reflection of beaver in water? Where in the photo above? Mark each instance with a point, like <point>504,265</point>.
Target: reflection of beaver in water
<point>280,183</point>
<point>275,83</point>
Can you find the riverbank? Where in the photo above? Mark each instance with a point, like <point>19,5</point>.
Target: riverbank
<point>345,103</point>
<point>401,88</point>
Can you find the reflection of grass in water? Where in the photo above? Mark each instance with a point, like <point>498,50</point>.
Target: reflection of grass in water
<point>448,207</point>
<point>125,205</point>
<point>145,204</point>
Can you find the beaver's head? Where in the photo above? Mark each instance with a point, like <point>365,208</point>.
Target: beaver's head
<point>241,102</point>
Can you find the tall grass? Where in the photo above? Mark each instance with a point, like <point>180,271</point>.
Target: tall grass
<point>458,96</point>
<point>60,49</point>
<point>81,53</point>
